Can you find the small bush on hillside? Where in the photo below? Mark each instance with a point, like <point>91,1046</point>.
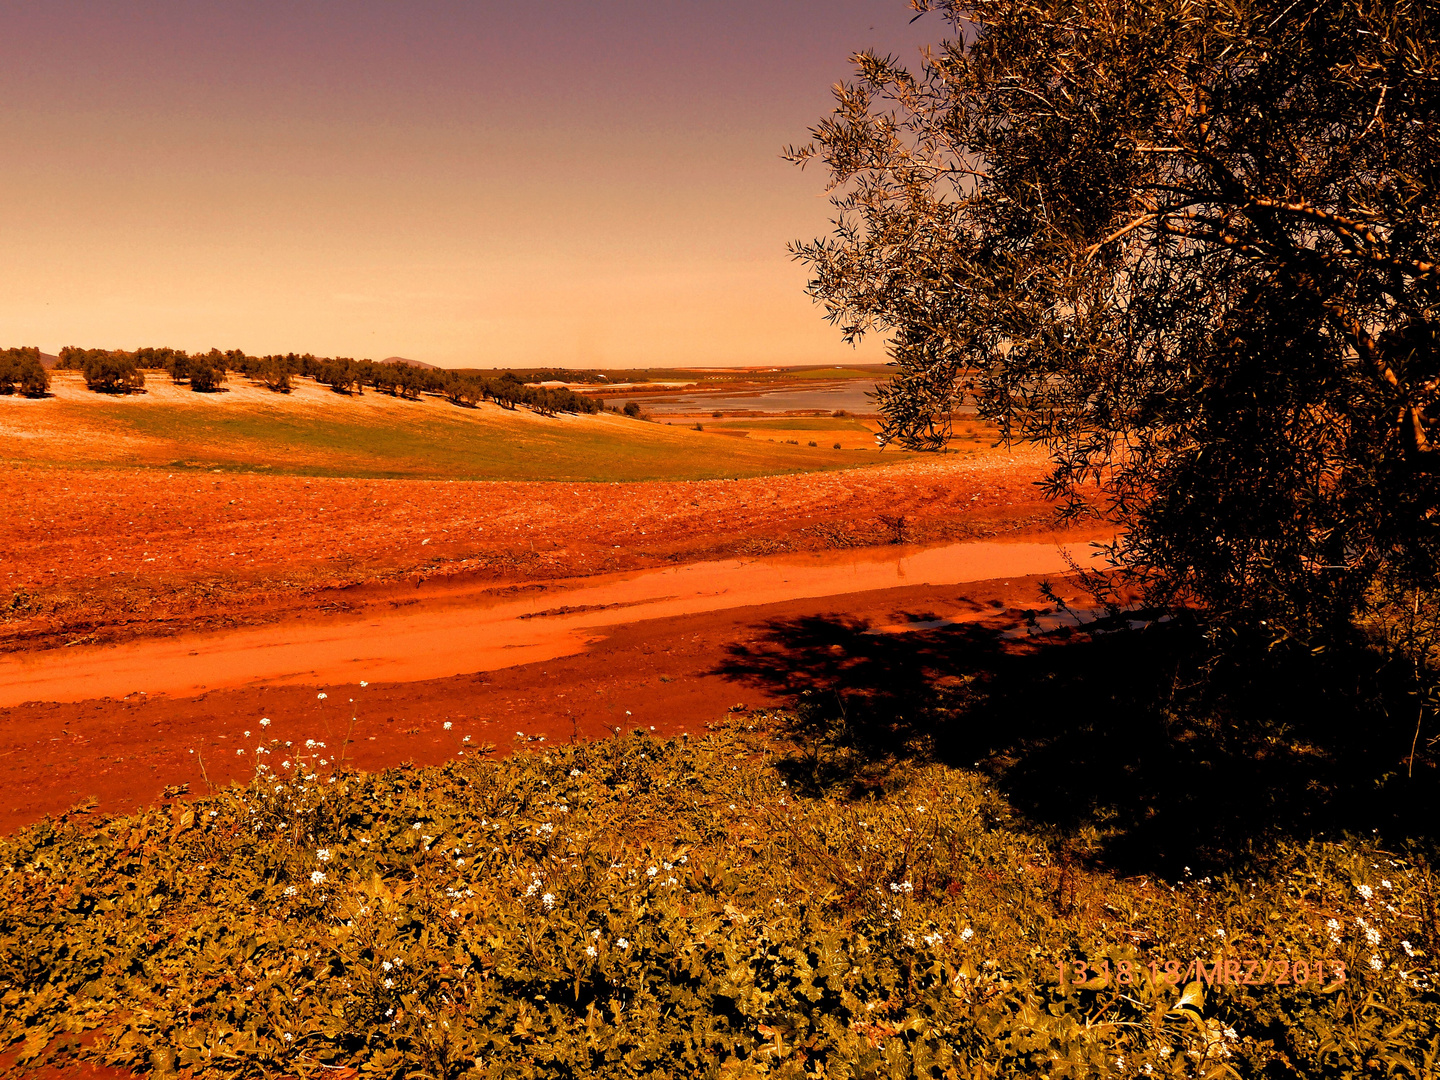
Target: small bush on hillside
<point>464,390</point>
<point>275,373</point>
<point>207,372</point>
<point>635,907</point>
<point>175,362</point>
<point>111,373</point>
<point>21,369</point>
<point>340,375</point>
<point>178,367</point>
<point>72,358</point>
<point>632,408</point>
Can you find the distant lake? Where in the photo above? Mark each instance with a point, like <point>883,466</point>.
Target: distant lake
<point>851,395</point>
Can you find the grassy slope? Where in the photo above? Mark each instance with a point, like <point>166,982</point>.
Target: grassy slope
<point>317,433</point>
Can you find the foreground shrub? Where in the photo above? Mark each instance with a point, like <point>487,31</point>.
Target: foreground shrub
<point>21,369</point>
<point>635,907</point>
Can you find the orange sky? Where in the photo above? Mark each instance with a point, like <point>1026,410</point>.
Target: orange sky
<point>463,183</point>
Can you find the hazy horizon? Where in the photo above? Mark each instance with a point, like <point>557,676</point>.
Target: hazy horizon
<point>466,185</point>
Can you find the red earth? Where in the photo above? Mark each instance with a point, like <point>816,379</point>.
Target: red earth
<point>104,555</point>
<point>116,565</point>
<point>675,674</point>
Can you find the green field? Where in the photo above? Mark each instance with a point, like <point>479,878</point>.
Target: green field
<point>795,423</point>
<point>726,375</point>
<point>380,437</point>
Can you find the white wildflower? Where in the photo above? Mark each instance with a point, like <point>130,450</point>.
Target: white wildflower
<point>321,696</point>
<point>548,900</point>
<point>622,944</point>
<point>448,725</point>
<point>589,950</point>
<point>323,854</point>
<point>317,878</point>
<point>1409,951</point>
<point>1376,963</point>
<point>1365,891</point>
<point>966,934</point>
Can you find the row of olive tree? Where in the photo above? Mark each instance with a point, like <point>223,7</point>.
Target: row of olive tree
<point>115,371</point>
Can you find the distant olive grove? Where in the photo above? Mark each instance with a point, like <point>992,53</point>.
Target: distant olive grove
<point>119,372</point>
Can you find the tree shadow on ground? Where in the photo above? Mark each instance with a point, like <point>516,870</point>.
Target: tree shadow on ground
<point>1119,742</point>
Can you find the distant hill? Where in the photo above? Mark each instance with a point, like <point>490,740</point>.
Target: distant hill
<point>48,361</point>
<point>405,360</point>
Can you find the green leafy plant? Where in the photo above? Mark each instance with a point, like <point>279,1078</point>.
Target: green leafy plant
<point>636,906</point>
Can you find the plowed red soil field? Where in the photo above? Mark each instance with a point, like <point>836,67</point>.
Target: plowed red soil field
<point>137,559</point>
<point>90,556</point>
<point>94,558</point>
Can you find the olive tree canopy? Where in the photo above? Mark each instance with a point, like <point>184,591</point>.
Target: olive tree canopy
<point>1190,246</point>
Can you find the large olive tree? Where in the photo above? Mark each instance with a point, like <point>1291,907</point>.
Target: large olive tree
<point>1189,245</point>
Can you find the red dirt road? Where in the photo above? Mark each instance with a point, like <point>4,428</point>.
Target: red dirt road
<point>458,631</point>
<point>673,673</point>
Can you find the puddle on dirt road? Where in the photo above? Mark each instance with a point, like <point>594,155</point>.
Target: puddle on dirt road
<point>457,635</point>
